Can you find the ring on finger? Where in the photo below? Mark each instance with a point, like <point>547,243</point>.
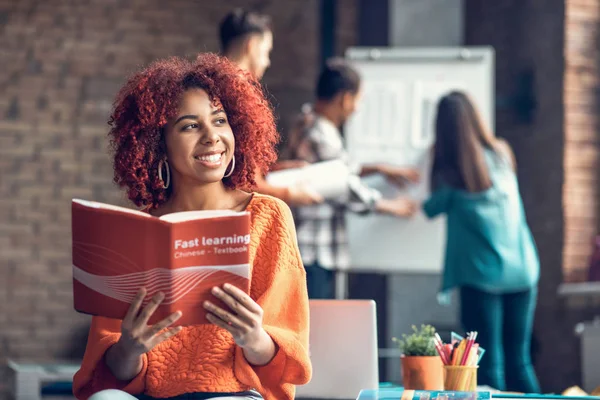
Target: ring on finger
<point>228,320</point>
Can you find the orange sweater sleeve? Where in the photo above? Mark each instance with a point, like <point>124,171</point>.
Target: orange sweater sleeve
<point>263,187</point>
<point>285,311</point>
<point>94,375</point>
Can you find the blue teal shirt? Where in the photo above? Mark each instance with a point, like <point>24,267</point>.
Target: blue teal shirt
<point>489,245</point>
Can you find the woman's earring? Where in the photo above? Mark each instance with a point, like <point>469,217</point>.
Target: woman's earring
<point>227,175</point>
<point>164,163</point>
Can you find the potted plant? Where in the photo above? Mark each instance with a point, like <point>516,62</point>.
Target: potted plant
<point>422,367</point>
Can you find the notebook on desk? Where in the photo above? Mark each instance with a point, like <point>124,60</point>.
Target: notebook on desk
<point>401,394</point>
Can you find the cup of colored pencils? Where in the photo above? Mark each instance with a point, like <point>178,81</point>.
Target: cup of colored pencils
<point>461,361</point>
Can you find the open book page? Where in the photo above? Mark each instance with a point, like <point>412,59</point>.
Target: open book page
<point>194,215</point>
<point>104,206</point>
<point>327,178</point>
<point>172,217</point>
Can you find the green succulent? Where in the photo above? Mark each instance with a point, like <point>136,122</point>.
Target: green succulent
<point>418,343</point>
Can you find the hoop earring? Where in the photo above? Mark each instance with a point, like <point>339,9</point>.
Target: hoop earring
<point>164,163</point>
<point>227,175</point>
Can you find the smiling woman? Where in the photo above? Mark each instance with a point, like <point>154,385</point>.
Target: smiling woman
<point>190,136</point>
<point>172,102</point>
<point>200,145</point>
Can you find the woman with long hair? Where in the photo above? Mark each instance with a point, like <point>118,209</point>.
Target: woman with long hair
<point>190,136</point>
<point>491,256</point>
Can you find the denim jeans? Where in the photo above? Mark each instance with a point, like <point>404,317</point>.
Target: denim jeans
<point>504,322</point>
<point>320,281</point>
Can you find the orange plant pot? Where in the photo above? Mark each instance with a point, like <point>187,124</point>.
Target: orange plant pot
<point>422,373</point>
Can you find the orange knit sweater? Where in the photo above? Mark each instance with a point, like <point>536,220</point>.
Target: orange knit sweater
<point>204,358</point>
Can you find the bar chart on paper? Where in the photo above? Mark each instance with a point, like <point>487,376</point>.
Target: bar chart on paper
<point>395,124</point>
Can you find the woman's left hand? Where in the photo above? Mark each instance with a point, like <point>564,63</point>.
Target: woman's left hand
<point>243,319</point>
<point>399,175</point>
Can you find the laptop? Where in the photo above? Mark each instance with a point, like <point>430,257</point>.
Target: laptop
<point>343,349</point>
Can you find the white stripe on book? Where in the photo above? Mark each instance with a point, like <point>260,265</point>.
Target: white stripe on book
<point>175,283</point>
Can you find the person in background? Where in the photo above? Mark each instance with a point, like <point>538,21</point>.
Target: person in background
<point>317,138</point>
<point>491,256</point>
<point>189,136</point>
<point>247,40</point>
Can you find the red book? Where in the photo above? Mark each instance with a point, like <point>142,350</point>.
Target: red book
<point>116,251</point>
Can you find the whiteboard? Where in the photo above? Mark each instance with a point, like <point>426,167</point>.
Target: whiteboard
<point>394,124</point>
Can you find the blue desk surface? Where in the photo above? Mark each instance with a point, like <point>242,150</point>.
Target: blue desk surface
<point>396,394</point>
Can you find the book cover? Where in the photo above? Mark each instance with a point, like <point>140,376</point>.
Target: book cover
<point>116,251</point>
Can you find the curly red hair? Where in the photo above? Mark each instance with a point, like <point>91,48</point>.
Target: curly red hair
<point>151,97</point>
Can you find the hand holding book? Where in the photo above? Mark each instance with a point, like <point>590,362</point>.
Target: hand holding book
<point>243,318</point>
<point>137,337</point>
<point>244,321</point>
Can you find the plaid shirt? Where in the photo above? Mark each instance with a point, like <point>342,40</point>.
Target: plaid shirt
<point>321,228</point>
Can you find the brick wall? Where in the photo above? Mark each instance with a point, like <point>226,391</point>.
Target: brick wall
<point>346,34</point>
<point>62,62</point>
<point>582,84</point>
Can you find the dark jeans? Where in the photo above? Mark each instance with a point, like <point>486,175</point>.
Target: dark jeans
<point>320,281</point>
<point>505,326</point>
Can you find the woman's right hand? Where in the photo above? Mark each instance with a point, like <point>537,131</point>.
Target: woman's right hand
<point>400,207</point>
<point>137,337</point>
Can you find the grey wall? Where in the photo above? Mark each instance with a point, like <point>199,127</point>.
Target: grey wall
<point>426,22</point>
